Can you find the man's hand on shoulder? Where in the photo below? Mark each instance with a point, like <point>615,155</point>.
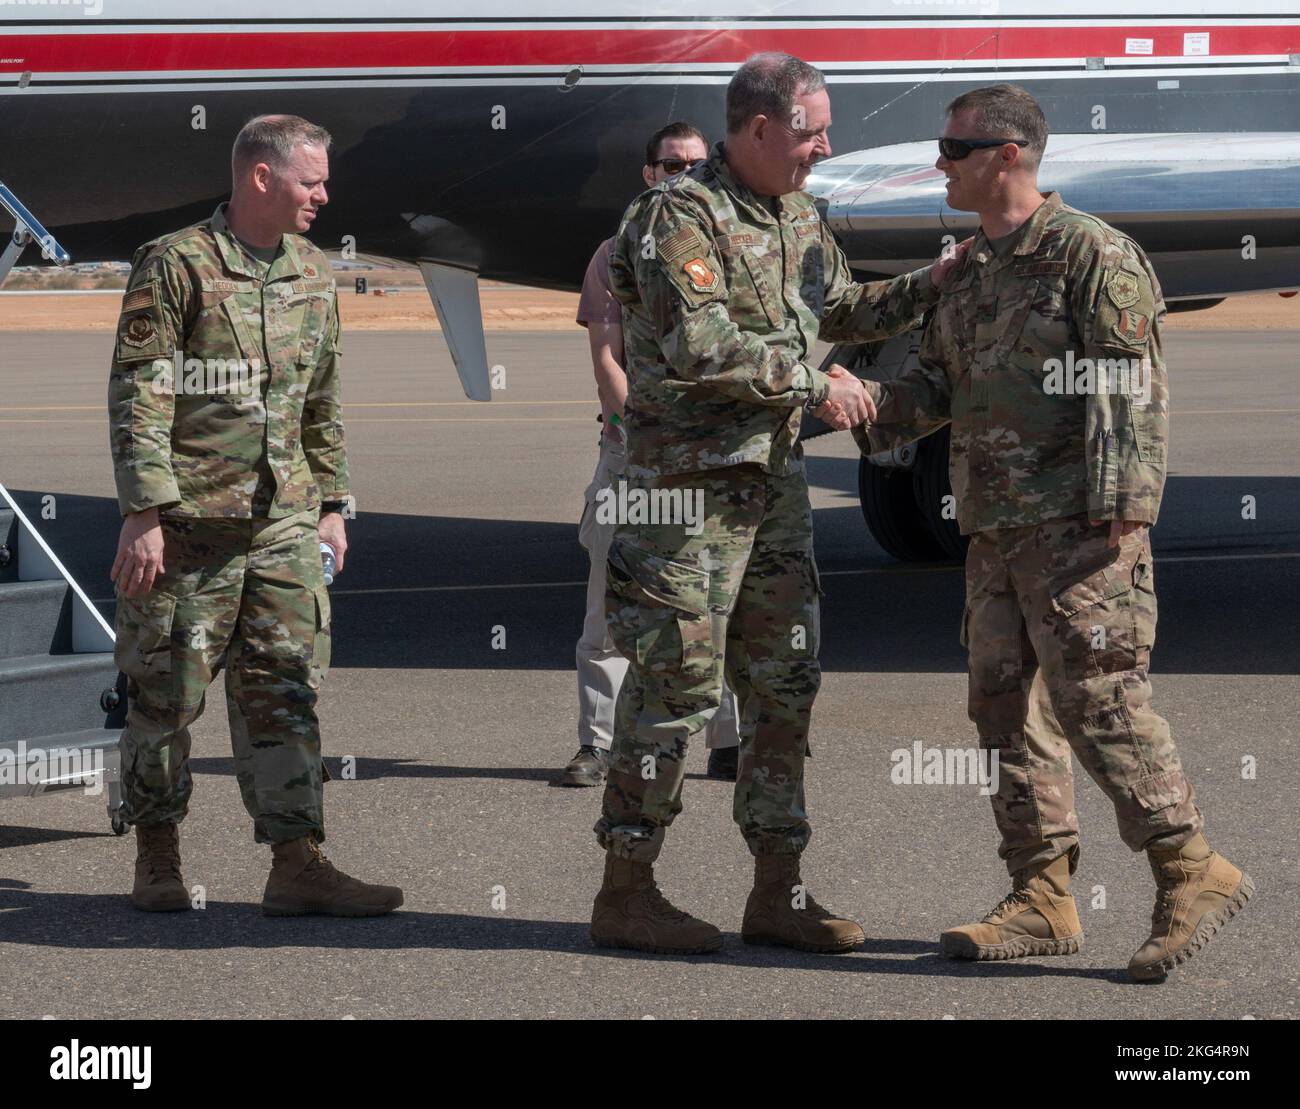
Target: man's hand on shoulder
<point>139,553</point>
<point>948,261</point>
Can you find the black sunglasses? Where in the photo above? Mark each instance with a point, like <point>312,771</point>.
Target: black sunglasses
<point>957,149</point>
<point>677,165</point>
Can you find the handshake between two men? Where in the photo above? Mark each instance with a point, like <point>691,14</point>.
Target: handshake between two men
<point>848,403</point>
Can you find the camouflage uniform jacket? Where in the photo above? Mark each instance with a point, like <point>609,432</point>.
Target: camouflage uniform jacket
<point>724,294</point>
<point>263,436</point>
<point>1035,436</point>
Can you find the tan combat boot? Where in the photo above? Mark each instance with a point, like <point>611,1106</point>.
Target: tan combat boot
<point>781,912</point>
<point>1197,892</point>
<point>631,912</point>
<point>303,880</point>
<point>158,886</point>
<point>1038,917</point>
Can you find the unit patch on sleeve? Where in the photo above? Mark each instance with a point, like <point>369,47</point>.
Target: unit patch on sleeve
<point>140,331</point>
<point>1122,289</point>
<point>700,275</point>
<point>1132,327</point>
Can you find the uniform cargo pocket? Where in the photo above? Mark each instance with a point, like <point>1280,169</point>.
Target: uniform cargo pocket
<point>657,610</point>
<point>648,578</point>
<point>1093,590</point>
<point>143,646</point>
<point>1095,626</point>
<point>1161,791</point>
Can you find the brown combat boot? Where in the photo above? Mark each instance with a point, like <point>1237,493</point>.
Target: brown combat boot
<point>782,913</point>
<point>1197,892</point>
<point>303,880</point>
<point>1038,917</point>
<point>631,912</point>
<point>158,886</point>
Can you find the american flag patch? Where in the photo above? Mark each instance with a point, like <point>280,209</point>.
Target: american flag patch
<point>681,243</point>
<point>139,298</point>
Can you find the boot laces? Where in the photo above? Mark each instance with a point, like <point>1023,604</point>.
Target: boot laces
<point>1168,881</point>
<point>162,858</point>
<point>1019,895</point>
<point>660,908</point>
<point>320,865</point>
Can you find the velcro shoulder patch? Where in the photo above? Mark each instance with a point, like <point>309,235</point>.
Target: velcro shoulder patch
<point>702,276</point>
<point>1133,327</point>
<point>1122,289</point>
<point>140,298</point>
<point>139,331</point>
<point>686,242</point>
<point>141,335</point>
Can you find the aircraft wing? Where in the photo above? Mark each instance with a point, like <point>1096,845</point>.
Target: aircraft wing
<point>1218,214</point>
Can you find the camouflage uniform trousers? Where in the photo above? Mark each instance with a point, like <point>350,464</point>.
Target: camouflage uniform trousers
<point>1060,629</point>
<point>741,598</point>
<point>248,595</point>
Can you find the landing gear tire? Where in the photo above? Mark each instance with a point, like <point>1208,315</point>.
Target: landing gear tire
<point>118,825</point>
<point>932,489</point>
<point>889,507</point>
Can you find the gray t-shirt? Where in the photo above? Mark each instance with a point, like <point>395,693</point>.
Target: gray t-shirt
<point>264,254</point>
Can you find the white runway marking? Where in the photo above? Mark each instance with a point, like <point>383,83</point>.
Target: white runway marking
<point>824,573</point>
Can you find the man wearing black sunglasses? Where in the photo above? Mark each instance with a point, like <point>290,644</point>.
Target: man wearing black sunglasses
<point>1044,353</point>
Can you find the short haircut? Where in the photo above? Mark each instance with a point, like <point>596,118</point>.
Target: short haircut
<point>768,85</point>
<point>272,139</point>
<point>1006,112</point>
<point>678,129</point>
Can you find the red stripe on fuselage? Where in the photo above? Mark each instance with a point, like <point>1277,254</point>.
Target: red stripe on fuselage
<point>206,51</point>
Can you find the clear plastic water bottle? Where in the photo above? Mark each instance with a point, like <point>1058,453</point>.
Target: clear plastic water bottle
<point>328,561</point>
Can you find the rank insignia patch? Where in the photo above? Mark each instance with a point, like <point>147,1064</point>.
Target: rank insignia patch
<point>309,271</point>
<point>139,332</point>
<point>702,278</point>
<point>1122,289</point>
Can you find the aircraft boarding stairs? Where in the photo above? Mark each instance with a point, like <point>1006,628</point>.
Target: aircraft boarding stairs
<point>62,700</point>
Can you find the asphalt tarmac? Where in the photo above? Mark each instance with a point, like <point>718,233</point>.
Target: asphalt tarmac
<point>466,523</point>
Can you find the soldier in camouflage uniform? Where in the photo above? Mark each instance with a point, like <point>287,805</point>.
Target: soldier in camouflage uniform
<point>728,277</point>
<point>1044,352</point>
<point>228,450</point>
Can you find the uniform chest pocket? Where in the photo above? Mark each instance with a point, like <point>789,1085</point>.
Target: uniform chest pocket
<point>1045,334</point>
<point>957,307</point>
<point>312,309</point>
<point>812,279</point>
<point>765,277</point>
